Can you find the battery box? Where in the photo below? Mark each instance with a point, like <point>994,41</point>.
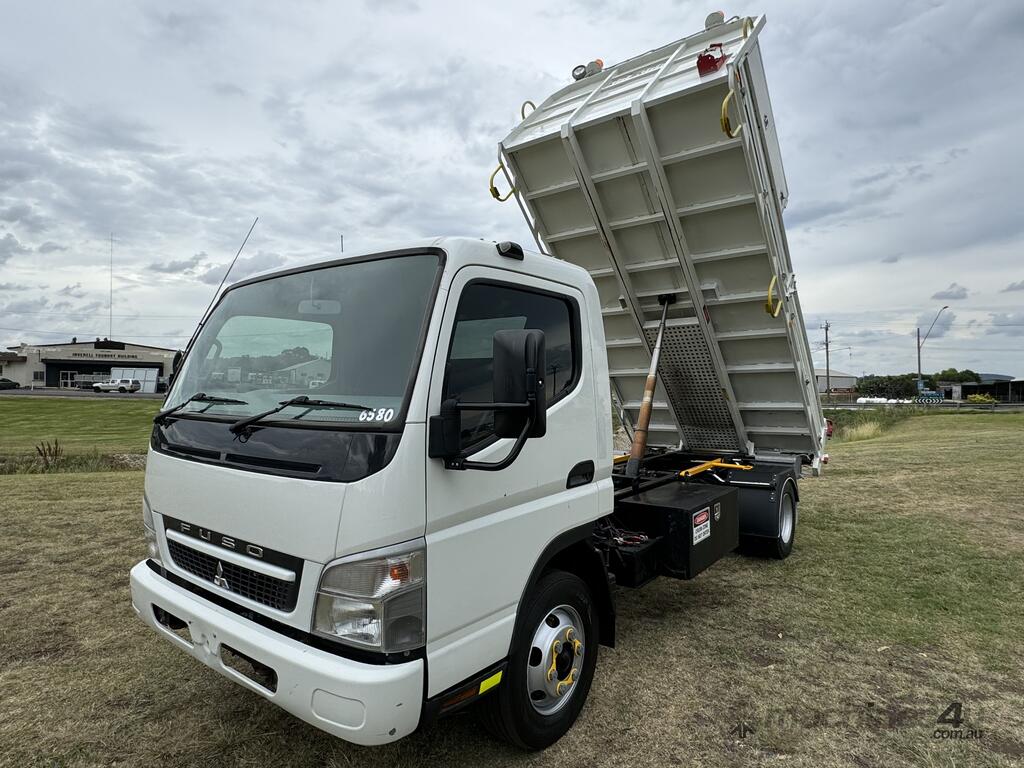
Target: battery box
<point>634,564</point>
<point>696,524</point>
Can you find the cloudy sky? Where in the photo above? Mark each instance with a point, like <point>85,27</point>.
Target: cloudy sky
<point>173,125</point>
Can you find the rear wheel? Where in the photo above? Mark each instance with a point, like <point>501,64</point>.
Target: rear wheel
<point>781,545</point>
<point>787,522</point>
<point>122,390</point>
<point>552,665</point>
<point>97,390</point>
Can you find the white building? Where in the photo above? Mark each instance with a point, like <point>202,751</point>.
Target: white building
<point>302,374</point>
<point>840,382</point>
<point>65,365</point>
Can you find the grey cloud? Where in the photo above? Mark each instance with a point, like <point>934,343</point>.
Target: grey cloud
<point>183,265</point>
<point>24,214</point>
<point>74,291</point>
<point>27,306</point>
<point>243,267</point>
<point>872,178</point>
<point>14,287</point>
<point>102,132</point>
<point>88,308</point>
<point>51,247</point>
<point>891,259</point>
<point>1018,286</point>
<point>185,29</point>
<point>10,246</point>
<point>228,89</point>
<point>954,292</point>
<point>1007,324</point>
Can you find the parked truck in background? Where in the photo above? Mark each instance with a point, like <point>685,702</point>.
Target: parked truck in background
<point>443,521</point>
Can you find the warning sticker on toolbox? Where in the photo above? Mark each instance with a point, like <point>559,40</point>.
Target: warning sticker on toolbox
<point>701,524</point>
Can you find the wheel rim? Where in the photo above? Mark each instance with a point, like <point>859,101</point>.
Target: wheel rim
<point>788,516</point>
<point>555,663</point>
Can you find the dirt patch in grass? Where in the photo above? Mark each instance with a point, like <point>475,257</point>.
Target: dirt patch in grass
<point>903,594</point>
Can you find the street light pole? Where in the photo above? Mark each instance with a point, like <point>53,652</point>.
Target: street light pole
<point>920,343</point>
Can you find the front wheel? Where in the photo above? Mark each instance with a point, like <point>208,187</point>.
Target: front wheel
<point>551,667</point>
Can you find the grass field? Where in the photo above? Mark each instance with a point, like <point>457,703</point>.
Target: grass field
<point>904,594</point>
<point>80,424</point>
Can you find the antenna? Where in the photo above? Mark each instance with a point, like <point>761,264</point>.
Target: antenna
<point>217,292</point>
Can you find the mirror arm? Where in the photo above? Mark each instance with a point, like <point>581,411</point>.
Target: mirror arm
<point>460,462</point>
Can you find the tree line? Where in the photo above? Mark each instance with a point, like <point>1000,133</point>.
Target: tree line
<point>904,385</point>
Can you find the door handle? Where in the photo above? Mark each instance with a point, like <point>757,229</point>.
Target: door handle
<point>581,474</point>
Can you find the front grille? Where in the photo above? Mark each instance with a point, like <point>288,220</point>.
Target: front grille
<point>263,589</point>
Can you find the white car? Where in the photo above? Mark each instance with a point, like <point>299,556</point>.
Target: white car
<point>117,385</point>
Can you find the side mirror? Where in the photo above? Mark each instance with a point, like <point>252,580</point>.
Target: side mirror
<point>520,402</point>
<point>175,364</point>
<point>519,363</point>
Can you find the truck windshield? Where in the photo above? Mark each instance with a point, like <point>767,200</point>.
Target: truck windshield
<point>349,332</point>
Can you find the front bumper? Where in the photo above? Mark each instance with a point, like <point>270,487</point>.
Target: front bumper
<point>362,703</point>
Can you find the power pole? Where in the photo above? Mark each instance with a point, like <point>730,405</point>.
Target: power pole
<point>828,364</point>
<point>919,386</point>
<point>920,343</point>
<point>342,239</point>
<point>110,328</point>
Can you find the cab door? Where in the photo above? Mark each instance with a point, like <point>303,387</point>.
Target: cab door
<point>486,529</point>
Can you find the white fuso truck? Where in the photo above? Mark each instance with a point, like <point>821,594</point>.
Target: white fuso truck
<point>383,488</point>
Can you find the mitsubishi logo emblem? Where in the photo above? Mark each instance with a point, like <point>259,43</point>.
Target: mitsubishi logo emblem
<point>218,577</point>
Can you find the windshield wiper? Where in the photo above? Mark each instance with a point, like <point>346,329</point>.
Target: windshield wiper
<point>301,400</point>
<point>198,397</point>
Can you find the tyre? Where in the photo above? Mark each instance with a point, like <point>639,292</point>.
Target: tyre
<point>551,666</point>
<point>122,390</point>
<point>97,390</point>
<point>780,546</point>
<point>788,515</point>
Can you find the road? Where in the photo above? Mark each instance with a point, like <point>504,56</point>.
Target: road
<point>54,392</point>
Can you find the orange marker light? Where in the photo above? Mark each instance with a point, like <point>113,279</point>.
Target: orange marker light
<point>399,572</point>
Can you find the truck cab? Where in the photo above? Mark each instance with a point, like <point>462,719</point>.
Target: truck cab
<point>320,557</point>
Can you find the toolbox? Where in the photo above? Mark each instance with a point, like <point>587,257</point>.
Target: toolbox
<point>695,523</point>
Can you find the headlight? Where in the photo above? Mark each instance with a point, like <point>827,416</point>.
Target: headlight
<point>149,530</point>
<point>375,600</point>
<point>152,548</point>
<point>147,513</point>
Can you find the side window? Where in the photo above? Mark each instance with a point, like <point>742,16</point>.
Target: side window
<point>485,308</point>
